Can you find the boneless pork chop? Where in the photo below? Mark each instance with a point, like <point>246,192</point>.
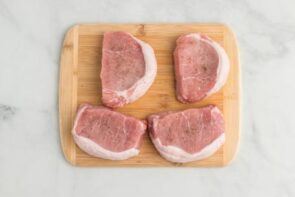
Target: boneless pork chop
<point>201,67</point>
<point>107,134</point>
<point>188,135</point>
<point>128,68</point>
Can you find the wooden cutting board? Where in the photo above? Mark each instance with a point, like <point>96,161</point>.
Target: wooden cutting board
<point>80,83</point>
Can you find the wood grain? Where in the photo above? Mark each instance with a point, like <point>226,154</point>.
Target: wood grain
<point>80,83</point>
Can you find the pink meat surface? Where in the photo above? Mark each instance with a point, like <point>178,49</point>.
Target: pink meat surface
<point>184,135</point>
<point>110,134</point>
<point>128,68</point>
<point>201,67</point>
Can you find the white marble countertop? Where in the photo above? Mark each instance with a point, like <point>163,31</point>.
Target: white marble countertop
<point>31,161</point>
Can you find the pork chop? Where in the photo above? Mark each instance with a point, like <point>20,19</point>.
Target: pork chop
<point>107,134</point>
<point>201,67</point>
<point>188,135</point>
<point>128,68</point>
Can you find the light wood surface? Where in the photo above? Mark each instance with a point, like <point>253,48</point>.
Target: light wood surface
<point>79,83</point>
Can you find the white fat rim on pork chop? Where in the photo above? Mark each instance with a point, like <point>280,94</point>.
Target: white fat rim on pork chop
<point>175,154</point>
<point>223,64</point>
<point>143,84</point>
<point>96,150</point>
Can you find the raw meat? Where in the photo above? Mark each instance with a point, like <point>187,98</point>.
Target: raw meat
<point>188,135</point>
<point>128,68</point>
<point>201,67</point>
<point>107,134</point>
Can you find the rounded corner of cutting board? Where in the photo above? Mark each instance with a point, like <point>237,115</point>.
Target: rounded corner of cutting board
<point>68,157</point>
<point>228,29</point>
<point>230,156</point>
<point>71,30</point>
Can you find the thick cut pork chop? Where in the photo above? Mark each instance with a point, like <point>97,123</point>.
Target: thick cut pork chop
<point>201,67</point>
<point>128,68</point>
<point>107,134</point>
<point>187,135</point>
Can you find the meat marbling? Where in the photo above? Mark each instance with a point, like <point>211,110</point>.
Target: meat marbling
<point>107,134</point>
<point>188,135</point>
<point>128,68</point>
<point>201,67</point>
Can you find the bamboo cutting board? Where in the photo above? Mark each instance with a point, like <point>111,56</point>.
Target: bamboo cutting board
<point>80,83</point>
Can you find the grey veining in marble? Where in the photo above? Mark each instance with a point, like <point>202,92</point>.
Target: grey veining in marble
<point>31,161</point>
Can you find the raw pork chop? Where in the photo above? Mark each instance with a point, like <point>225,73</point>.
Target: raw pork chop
<point>128,68</point>
<point>187,135</point>
<point>107,134</point>
<point>201,67</point>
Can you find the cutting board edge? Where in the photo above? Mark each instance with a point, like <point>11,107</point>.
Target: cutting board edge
<point>68,44</point>
<point>230,158</point>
